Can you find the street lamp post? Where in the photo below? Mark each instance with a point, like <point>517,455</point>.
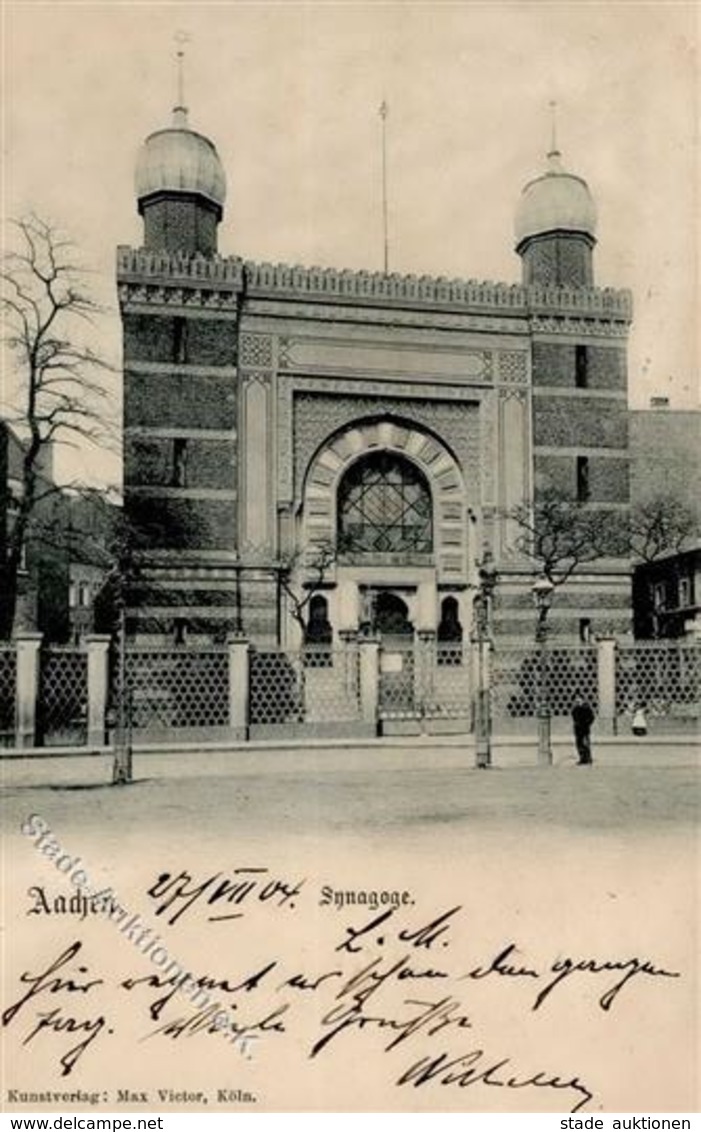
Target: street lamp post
<point>542,597</point>
<point>122,762</point>
<point>238,623</point>
<point>483,626</point>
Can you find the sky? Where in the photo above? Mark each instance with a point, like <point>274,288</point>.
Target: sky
<point>290,93</point>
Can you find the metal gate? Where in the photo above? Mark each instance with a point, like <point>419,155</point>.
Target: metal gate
<point>424,680</point>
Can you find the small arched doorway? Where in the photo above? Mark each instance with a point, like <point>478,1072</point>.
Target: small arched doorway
<point>449,635</point>
<point>391,618</point>
<point>318,632</point>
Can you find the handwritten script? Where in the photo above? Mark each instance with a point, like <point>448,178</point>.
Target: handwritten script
<point>393,982</point>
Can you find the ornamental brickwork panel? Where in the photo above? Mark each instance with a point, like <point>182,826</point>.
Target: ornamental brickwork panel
<point>318,416</point>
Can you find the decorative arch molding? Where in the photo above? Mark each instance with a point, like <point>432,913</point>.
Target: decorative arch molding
<point>439,466</point>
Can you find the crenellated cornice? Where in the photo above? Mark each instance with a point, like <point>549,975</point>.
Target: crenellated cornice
<point>177,268</point>
<point>151,277</point>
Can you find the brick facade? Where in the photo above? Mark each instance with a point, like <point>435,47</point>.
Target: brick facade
<point>174,224</point>
<point>180,462</point>
<point>179,339</point>
<point>608,476</point>
<point>251,390</point>
<point>172,522</point>
<point>665,450</point>
<point>560,257</point>
<point>600,367</point>
<point>171,400</point>
<point>579,422</point>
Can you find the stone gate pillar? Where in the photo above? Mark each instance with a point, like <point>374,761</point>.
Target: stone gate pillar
<point>369,678</point>
<point>27,692</point>
<point>239,690</point>
<point>98,664</point>
<point>606,684</point>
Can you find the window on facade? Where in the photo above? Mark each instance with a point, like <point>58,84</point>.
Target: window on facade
<point>685,598</point>
<point>318,633</point>
<point>384,506</point>
<point>659,596</point>
<point>583,479</point>
<point>179,340</point>
<point>581,366</point>
<point>585,630</point>
<point>180,631</point>
<point>179,469</point>
<point>449,633</point>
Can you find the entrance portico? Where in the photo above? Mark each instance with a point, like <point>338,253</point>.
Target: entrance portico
<point>390,499</point>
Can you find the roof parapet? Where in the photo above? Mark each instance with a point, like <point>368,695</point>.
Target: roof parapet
<point>369,288</point>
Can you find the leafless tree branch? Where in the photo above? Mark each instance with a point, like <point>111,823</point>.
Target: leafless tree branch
<point>661,525</point>
<point>559,535</point>
<point>301,577</point>
<point>44,300</point>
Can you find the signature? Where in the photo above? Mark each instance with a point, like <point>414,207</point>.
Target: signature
<point>476,1068</point>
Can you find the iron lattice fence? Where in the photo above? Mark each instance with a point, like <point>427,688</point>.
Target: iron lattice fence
<point>188,689</point>
<point>452,686</point>
<point>331,686</point>
<point>62,708</point>
<point>8,686</point>
<point>315,686</point>
<point>174,689</point>
<point>522,678</point>
<point>425,680</point>
<point>663,677</point>
<point>275,688</point>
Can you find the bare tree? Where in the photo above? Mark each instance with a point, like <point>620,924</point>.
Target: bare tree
<point>302,575</point>
<point>559,535</point>
<point>661,525</point>
<point>60,398</point>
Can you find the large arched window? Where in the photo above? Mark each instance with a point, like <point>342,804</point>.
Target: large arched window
<point>384,507</point>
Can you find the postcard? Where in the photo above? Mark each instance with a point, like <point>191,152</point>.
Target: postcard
<point>335,784</point>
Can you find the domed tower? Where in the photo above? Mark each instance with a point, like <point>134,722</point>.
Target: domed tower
<point>180,188</point>
<point>555,227</point>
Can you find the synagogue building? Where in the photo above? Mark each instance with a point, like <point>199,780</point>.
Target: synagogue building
<point>310,453</point>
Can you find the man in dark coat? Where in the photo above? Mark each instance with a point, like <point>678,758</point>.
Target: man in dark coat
<point>582,719</point>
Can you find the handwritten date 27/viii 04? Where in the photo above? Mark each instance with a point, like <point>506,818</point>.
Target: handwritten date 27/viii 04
<point>175,893</point>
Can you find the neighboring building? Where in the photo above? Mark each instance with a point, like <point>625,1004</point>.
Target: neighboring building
<point>44,576</point>
<point>65,554</point>
<point>92,522</point>
<point>270,411</point>
<point>665,451</point>
<point>667,595</point>
<point>665,454</point>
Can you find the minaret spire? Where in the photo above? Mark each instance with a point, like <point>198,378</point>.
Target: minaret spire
<point>554,155</point>
<point>180,109</point>
<point>553,127</point>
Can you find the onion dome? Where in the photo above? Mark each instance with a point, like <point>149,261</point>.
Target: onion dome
<point>557,201</point>
<point>179,160</point>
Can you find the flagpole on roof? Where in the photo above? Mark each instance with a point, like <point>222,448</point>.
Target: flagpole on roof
<point>384,110</point>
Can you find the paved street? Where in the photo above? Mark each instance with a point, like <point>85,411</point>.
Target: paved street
<point>377,791</point>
